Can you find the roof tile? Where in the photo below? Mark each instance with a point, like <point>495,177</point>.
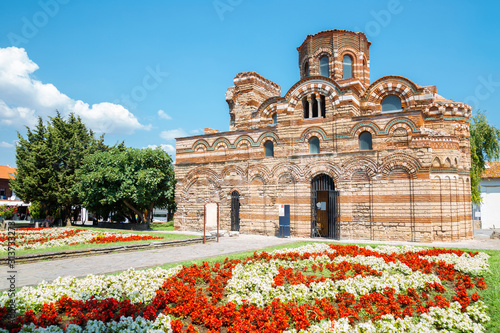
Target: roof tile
<point>493,171</point>
<point>6,172</point>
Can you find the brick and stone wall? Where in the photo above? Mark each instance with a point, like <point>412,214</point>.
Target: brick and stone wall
<point>7,192</point>
<point>412,185</point>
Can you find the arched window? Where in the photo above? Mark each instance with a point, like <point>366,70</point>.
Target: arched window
<point>269,149</point>
<point>314,106</point>
<point>324,67</point>
<point>391,103</point>
<point>275,119</point>
<point>347,67</point>
<point>314,102</point>
<point>314,145</point>
<point>306,69</point>
<point>323,106</point>
<point>305,106</point>
<point>365,141</point>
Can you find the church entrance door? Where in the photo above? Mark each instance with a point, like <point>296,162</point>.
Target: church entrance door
<point>325,208</point>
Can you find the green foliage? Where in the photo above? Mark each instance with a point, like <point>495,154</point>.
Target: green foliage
<point>484,146</point>
<point>47,161</point>
<point>8,211</point>
<point>127,180</point>
<point>36,210</point>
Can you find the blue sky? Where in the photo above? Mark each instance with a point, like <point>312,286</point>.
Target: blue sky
<point>145,72</point>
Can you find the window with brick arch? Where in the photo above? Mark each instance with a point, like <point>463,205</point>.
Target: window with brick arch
<point>305,107</point>
<point>391,103</point>
<point>306,69</point>
<point>314,106</point>
<point>365,141</point>
<point>347,67</point>
<point>324,67</point>
<point>322,106</point>
<point>269,149</point>
<point>314,145</point>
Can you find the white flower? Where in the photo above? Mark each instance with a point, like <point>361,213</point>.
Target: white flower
<point>253,282</point>
<point>135,285</point>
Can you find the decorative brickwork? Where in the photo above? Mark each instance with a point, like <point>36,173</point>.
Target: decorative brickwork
<point>412,185</point>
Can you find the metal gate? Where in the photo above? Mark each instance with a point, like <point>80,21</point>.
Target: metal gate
<point>325,183</point>
<point>235,211</point>
<point>334,214</point>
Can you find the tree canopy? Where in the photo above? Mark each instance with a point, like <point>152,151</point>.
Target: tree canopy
<point>128,181</point>
<point>484,146</point>
<point>47,161</point>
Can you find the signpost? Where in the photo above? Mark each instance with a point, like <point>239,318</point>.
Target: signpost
<point>284,220</point>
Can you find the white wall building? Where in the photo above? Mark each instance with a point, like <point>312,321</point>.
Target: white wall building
<point>490,193</point>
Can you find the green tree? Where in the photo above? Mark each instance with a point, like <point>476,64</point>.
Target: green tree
<point>128,181</point>
<point>36,210</point>
<point>484,146</point>
<point>47,161</point>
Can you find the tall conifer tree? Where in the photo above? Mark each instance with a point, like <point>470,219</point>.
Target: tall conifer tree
<point>47,161</point>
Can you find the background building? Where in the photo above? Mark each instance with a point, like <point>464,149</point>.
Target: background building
<point>6,173</point>
<point>7,195</point>
<point>490,194</point>
<point>382,160</point>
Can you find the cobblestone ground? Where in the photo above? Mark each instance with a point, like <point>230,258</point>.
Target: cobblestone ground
<point>34,273</point>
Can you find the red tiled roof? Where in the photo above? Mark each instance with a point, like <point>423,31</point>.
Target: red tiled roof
<point>493,171</point>
<point>7,172</point>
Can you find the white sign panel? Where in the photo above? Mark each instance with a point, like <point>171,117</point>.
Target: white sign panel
<point>211,215</point>
<point>282,210</point>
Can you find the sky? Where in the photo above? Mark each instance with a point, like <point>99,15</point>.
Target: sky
<point>146,72</point>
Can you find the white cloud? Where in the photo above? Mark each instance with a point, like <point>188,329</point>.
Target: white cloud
<point>23,99</point>
<point>165,147</point>
<point>196,131</point>
<point>172,134</point>
<point>4,144</point>
<point>16,116</point>
<point>162,114</point>
<point>108,118</point>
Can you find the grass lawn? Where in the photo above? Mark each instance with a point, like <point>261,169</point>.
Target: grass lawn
<point>166,226</point>
<point>491,295</point>
<point>165,237</point>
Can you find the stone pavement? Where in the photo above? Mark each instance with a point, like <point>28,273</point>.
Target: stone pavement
<point>34,273</point>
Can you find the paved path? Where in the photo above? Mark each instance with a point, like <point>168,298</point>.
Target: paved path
<point>34,273</point>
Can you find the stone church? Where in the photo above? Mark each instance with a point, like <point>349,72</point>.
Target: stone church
<point>354,159</point>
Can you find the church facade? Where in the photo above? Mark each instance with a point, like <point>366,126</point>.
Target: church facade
<point>354,159</point>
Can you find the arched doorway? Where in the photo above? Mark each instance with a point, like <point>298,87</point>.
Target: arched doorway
<point>325,208</point>
<point>235,211</point>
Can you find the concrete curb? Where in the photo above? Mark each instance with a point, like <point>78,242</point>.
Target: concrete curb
<point>31,258</point>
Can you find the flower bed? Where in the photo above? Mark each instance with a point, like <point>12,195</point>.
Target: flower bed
<point>314,288</point>
<point>39,238</point>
